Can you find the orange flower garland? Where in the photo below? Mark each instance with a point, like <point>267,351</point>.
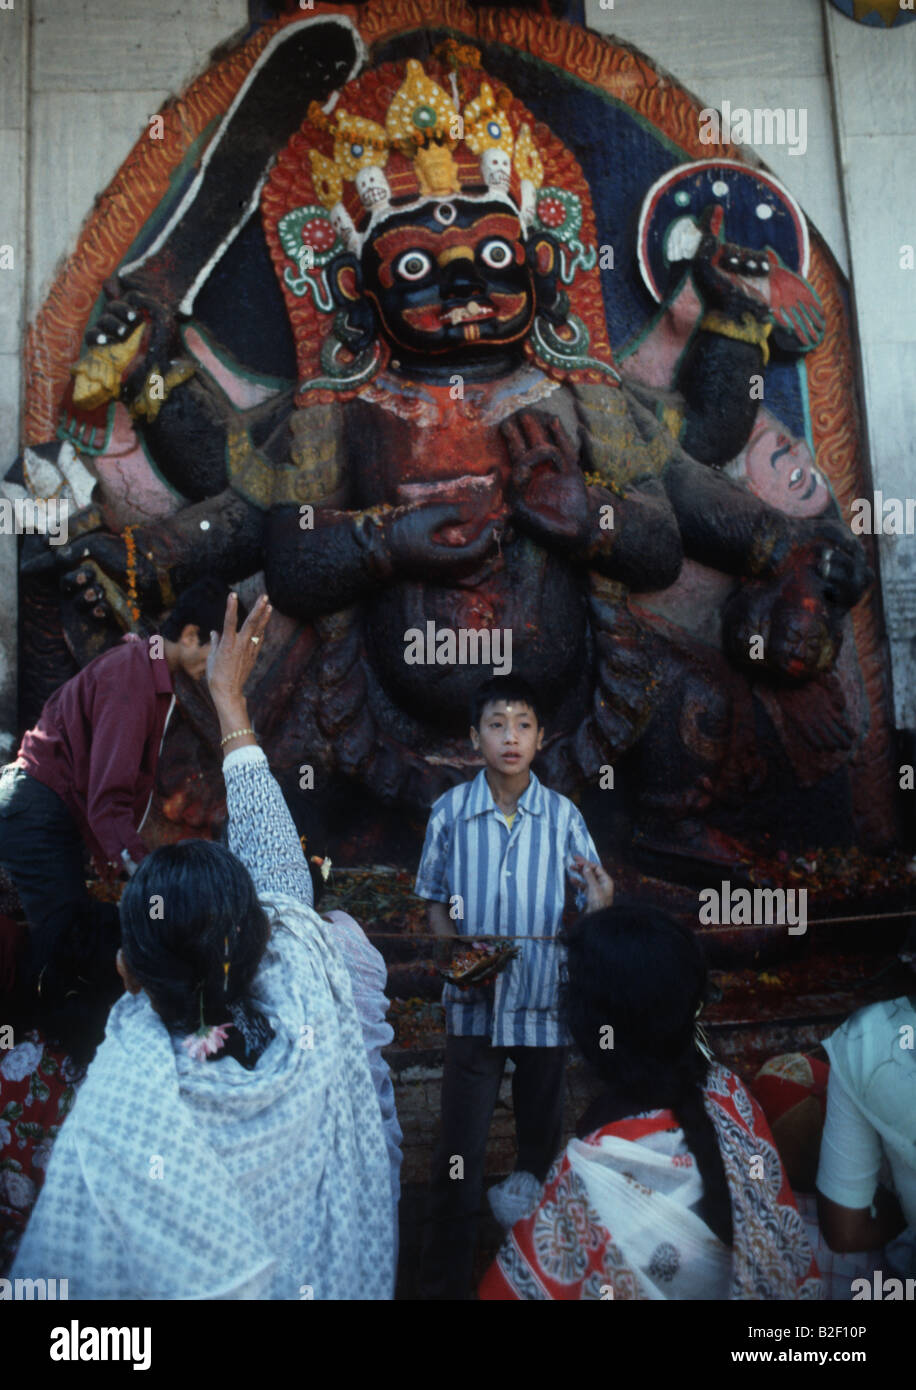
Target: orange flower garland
<point>133,607</point>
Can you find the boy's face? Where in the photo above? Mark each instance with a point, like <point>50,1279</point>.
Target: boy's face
<point>508,736</point>
<point>192,655</point>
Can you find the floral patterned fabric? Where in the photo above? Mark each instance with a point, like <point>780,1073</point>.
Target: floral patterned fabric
<point>37,1088</point>
<point>647,1241</point>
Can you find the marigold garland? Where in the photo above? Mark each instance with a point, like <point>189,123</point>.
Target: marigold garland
<point>133,607</point>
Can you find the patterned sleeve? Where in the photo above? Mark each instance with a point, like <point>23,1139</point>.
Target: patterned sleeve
<point>432,879</point>
<point>580,842</point>
<point>261,830</point>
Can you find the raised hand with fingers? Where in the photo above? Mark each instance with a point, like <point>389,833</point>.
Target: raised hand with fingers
<point>547,491</point>
<point>230,663</point>
<point>134,335</point>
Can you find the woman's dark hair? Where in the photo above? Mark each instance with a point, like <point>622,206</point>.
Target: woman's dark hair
<point>203,605</point>
<point>190,910</point>
<point>513,688</point>
<point>641,973</point>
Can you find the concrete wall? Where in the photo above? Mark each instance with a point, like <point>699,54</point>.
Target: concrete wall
<point>857,183</point>
<point>80,78</point>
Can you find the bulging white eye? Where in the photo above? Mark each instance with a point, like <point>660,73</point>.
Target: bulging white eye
<point>497,254</point>
<point>795,477</point>
<point>413,265</point>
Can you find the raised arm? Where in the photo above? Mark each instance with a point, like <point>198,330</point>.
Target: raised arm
<point>261,830</point>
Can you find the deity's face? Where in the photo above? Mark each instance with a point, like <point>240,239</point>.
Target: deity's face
<point>450,278</point>
<point>781,471</point>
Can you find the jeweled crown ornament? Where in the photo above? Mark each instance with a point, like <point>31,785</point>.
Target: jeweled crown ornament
<point>441,151</point>
<point>409,136</point>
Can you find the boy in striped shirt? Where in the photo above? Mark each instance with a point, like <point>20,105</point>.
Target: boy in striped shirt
<point>494,864</point>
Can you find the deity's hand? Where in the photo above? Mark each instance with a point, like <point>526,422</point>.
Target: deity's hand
<point>415,547</point>
<point>99,571</point>
<point>731,278</point>
<point>547,492</point>
<point>736,281</point>
<point>783,627</point>
<point>838,560</point>
<point>134,336</point>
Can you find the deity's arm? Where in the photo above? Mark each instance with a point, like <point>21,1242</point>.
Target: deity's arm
<point>635,537</point>
<point>630,532</point>
<point>323,562</point>
<point>320,554</point>
<point>191,436</point>
<point>714,419</point>
<point>724,525</point>
<point>204,447</point>
<point>221,536</point>
<point>720,523</point>
<point>749,301</point>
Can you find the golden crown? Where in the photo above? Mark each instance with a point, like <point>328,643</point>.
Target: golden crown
<point>446,149</point>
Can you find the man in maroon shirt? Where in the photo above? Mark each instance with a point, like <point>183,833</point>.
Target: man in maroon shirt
<point>86,771</point>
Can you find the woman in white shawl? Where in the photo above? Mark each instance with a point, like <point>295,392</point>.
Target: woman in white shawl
<point>227,1142</point>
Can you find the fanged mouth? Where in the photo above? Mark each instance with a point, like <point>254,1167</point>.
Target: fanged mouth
<point>472,312</point>
<point>431,318</point>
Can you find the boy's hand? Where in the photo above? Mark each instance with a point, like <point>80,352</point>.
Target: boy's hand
<point>599,885</point>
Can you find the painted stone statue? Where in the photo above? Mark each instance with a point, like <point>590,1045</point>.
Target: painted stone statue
<point>464,456</point>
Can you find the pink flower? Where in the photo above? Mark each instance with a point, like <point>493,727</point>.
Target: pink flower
<point>206,1041</point>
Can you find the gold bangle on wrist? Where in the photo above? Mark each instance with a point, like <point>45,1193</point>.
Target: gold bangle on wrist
<point>236,733</point>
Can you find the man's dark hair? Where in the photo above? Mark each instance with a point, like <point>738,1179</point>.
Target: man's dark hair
<point>203,605</point>
<point>510,688</point>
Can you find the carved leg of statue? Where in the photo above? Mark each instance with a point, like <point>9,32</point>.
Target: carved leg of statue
<point>623,695</point>
<point>698,761</point>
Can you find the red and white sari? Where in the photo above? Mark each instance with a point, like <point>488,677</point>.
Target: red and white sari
<point>615,1218</point>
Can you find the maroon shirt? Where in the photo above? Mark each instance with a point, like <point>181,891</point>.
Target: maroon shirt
<point>97,745</point>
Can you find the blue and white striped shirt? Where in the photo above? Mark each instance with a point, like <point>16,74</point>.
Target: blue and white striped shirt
<point>507,883</point>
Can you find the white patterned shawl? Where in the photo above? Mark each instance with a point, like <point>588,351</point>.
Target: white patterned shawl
<point>174,1178</point>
